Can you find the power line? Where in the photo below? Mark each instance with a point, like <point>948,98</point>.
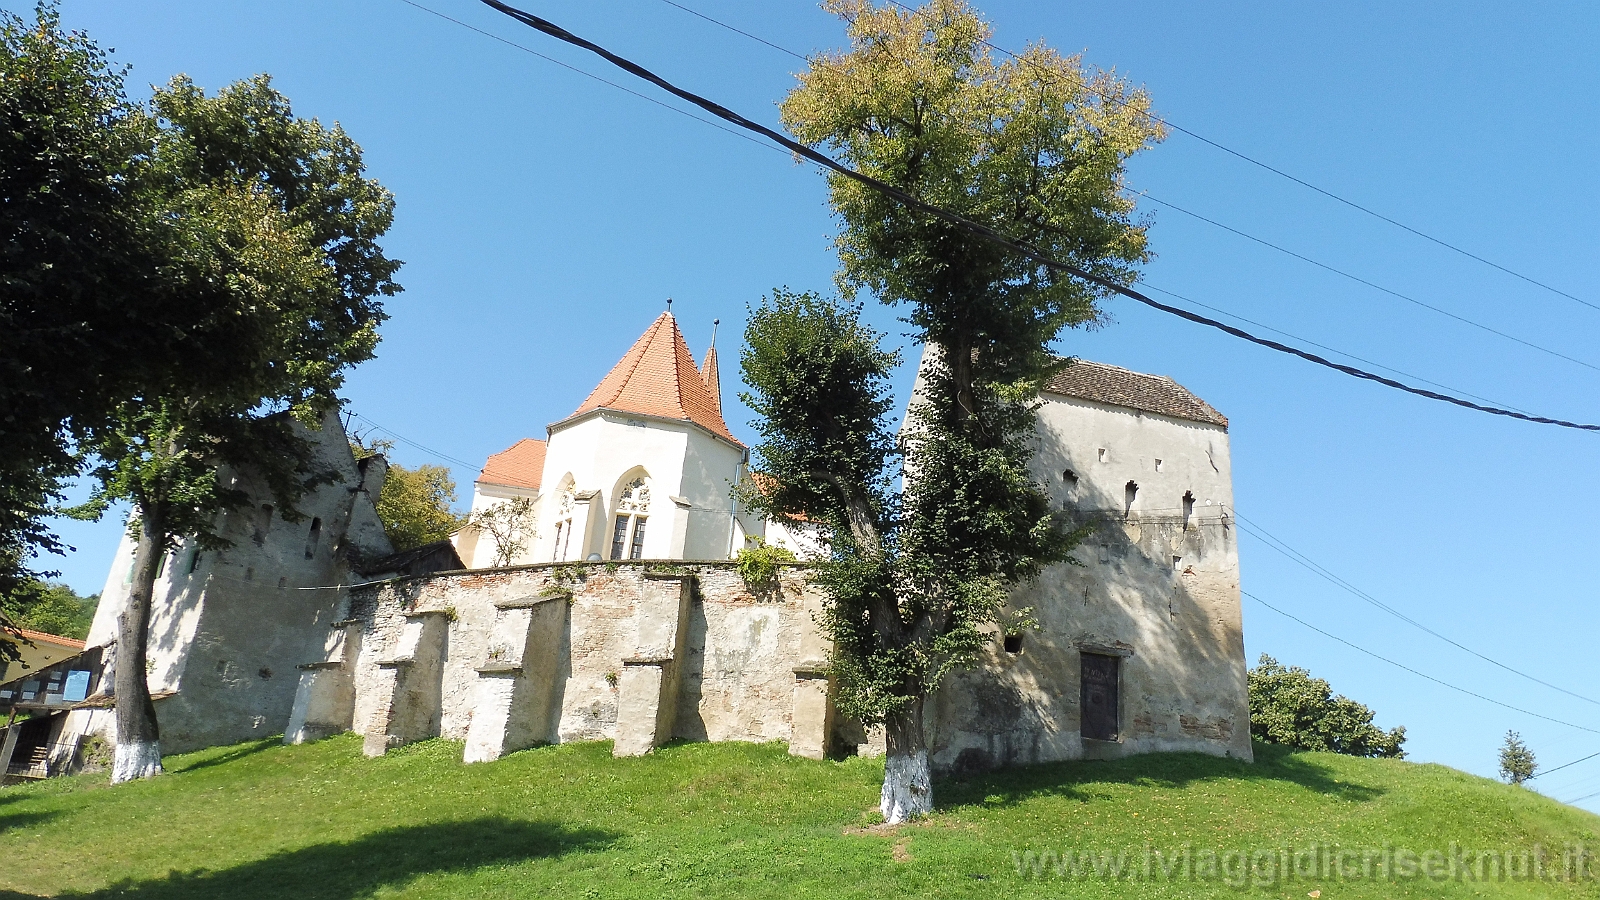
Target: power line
<point>1304,340</point>
<point>1306,561</point>
<point>1202,218</point>
<point>572,68</point>
<point>1300,181</point>
<point>1371,284</point>
<point>800,56</point>
<point>1583,798</point>
<point>986,232</point>
<point>1563,766</point>
<point>1414,671</point>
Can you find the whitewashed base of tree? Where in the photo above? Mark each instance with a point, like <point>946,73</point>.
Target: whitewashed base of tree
<point>907,787</point>
<point>136,759</point>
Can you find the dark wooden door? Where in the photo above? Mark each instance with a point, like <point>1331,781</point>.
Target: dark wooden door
<point>1099,696</point>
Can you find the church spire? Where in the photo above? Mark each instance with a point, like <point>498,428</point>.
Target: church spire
<point>708,370</point>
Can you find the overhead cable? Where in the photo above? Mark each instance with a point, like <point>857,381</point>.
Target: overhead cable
<point>988,233</point>
<point>1300,181</point>
<point>1407,668</point>
<point>1307,562</point>
<point>1371,284</point>
<point>589,75</point>
<point>1119,100</point>
<point>1563,766</point>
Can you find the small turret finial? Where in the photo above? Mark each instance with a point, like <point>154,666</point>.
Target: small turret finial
<point>669,304</point>
<point>714,324</point>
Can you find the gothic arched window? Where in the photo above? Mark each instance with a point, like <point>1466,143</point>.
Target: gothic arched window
<point>633,507</point>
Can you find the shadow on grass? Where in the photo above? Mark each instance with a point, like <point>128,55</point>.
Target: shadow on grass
<point>236,752</point>
<point>358,868</point>
<point>1076,780</point>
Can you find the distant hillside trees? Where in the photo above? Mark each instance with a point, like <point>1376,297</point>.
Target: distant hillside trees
<point>415,504</point>
<point>55,608</point>
<point>1289,707</point>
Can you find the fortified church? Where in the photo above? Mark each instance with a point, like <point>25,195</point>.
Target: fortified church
<point>608,606</point>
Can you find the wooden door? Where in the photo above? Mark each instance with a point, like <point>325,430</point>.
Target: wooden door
<point>1099,696</point>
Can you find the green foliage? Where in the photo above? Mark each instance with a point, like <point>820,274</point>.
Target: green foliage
<point>1032,148</point>
<point>510,525</point>
<point>264,821</point>
<point>1517,763</point>
<point>415,504</point>
<point>1289,707</point>
<point>55,608</point>
<point>759,562</point>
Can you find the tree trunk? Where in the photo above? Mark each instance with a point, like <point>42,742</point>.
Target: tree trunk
<point>907,782</point>
<point>138,736</point>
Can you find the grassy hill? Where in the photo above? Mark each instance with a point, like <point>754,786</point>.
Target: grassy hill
<point>265,821</point>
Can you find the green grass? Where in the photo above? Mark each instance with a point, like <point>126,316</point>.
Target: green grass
<point>318,821</point>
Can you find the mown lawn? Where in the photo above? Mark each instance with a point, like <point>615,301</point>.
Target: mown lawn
<point>318,821</point>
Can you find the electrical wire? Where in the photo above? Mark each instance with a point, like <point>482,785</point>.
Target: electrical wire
<point>988,233</point>
<point>1563,766</point>
<point>1279,545</point>
<point>1265,243</point>
<point>1407,668</point>
<point>1305,340</point>
<point>1300,181</point>
<point>589,75</point>
<point>1371,284</point>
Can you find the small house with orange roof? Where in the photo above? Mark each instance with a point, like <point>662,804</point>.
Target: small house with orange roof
<point>642,469</point>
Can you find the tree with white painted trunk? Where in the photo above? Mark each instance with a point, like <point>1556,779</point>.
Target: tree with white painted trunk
<point>272,229</point>
<point>1034,147</point>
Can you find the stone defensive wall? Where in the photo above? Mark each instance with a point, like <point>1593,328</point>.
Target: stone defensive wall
<point>637,652</point>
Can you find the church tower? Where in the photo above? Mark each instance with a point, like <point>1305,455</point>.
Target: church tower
<point>642,469</point>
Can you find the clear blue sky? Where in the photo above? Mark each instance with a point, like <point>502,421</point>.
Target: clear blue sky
<point>544,218</point>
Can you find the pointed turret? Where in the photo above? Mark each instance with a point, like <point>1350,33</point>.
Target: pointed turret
<point>708,370</point>
<point>658,377</point>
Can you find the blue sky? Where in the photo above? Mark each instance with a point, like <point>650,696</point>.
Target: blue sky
<point>544,219</point>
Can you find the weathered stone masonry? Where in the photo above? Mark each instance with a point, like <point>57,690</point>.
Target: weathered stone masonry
<point>636,652</point>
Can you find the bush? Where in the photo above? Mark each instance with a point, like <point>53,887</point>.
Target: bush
<point>1289,707</point>
<point>758,563</point>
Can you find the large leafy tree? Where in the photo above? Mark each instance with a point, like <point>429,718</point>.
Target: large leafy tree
<point>278,245</point>
<point>1034,148</point>
<point>82,313</point>
<point>1288,706</point>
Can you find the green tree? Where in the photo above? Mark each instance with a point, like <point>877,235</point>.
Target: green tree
<point>55,608</point>
<point>1032,148</point>
<point>415,504</point>
<point>79,318</point>
<point>1517,762</point>
<point>1289,707</point>
<point>276,234</point>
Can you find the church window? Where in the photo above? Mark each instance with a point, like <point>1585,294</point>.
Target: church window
<point>564,525</point>
<point>1129,492</point>
<point>619,536</point>
<point>1070,477</point>
<point>1158,465</point>
<point>1105,455</point>
<point>636,546</point>
<point>1188,506</point>
<point>628,530</point>
<point>1013,643</point>
<point>311,540</point>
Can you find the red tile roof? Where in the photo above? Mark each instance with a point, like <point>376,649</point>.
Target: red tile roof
<point>708,374</point>
<point>658,377</point>
<point>1116,386</point>
<point>56,639</point>
<point>520,466</point>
